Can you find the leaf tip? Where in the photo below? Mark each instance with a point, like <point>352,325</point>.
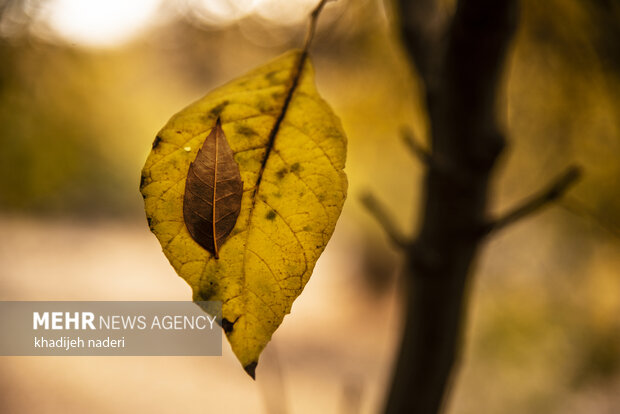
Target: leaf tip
<point>251,369</point>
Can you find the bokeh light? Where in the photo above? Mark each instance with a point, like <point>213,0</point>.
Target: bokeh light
<point>99,22</point>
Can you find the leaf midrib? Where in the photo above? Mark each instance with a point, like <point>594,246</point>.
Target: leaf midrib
<point>272,136</point>
<point>276,126</point>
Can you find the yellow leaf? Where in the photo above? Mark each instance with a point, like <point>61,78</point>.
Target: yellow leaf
<point>291,152</point>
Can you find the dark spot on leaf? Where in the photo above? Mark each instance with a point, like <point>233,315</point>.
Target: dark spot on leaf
<point>295,167</point>
<point>306,228</point>
<point>263,106</point>
<point>277,95</point>
<point>227,325</point>
<point>278,195</point>
<point>156,141</point>
<point>207,292</point>
<point>271,215</point>
<point>217,110</point>
<point>281,173</point>
<point>178,131</point>
<point>245,130</point>
<point>251,369</point>
<point>271,77</point>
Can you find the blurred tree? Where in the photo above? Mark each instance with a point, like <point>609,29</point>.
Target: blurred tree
<point>460,60</point>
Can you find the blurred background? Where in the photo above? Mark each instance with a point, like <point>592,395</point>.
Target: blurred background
<point>86,85</point>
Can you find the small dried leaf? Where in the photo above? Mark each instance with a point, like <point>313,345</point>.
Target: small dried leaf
<point>213,191</point>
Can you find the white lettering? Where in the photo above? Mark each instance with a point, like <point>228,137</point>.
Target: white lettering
<point>87,320</point>
<point>56,320</point>
<point>40,320</point>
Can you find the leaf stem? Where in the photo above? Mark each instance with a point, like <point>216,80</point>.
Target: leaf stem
<point>314,17</point>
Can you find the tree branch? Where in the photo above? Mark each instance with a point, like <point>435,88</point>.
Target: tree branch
<point>379,212</point>
<point>534,203</point>
<point>461,64</point>
<point>429,160</point>
<point>422,27</point>
<point>416,149</point>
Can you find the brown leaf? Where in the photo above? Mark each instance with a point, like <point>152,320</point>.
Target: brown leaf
<point>213,191</point>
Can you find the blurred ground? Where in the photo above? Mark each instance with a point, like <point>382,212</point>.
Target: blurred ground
<point>537,342</point>
<point>338,334</point>
<point>544,326</point>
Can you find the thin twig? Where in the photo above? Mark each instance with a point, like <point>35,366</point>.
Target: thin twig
<point>314,18</point>
<point>416,148</point>
<point>553,192</point>
<point>379,212</point>
<point>432,161</point>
